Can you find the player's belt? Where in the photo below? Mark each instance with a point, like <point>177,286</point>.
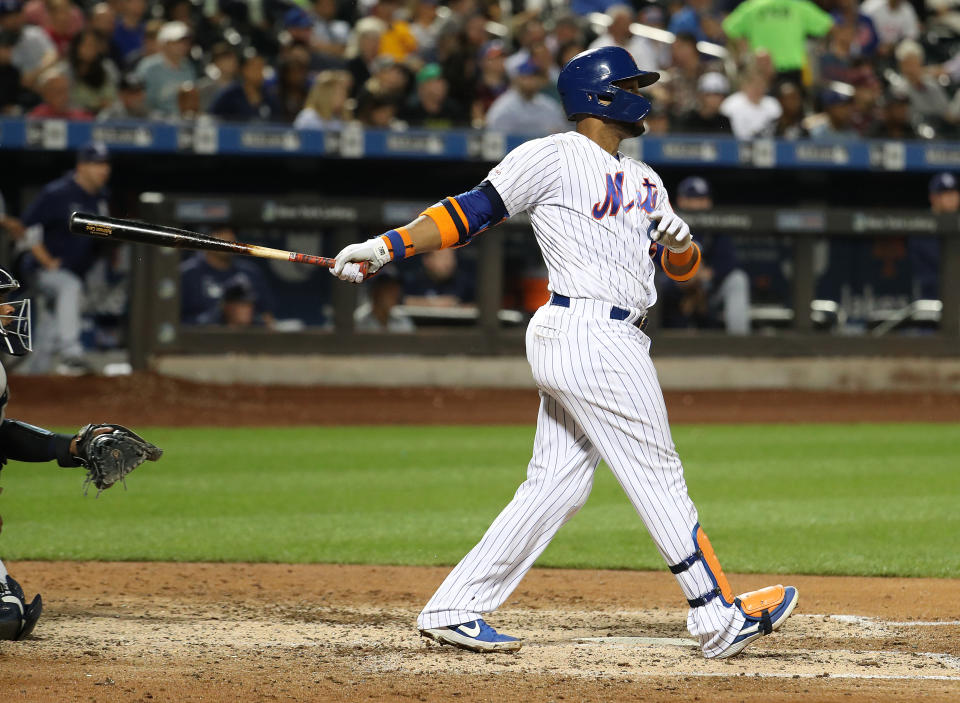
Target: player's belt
<point>616,313</point>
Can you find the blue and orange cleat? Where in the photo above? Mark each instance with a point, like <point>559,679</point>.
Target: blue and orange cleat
<point>764,611</point>
<point>476,636</point>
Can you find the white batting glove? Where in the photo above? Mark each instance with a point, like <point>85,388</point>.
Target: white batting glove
<point>671,231</point>
<point>347,266</point>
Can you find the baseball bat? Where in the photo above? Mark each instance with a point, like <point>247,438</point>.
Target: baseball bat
<point>163,236</point>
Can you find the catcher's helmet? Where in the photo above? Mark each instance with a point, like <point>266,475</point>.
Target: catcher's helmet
<point>590,77</point>
<point>15,333</point>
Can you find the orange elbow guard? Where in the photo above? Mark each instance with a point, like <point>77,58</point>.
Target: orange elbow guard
<point>448,216</point>
<point>681,267</point>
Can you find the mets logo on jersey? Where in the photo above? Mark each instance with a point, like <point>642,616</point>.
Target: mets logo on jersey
<point>614,200</point>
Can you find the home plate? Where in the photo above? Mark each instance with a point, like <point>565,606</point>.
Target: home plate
<point>655,641</point>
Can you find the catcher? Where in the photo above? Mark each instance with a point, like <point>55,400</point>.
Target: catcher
<point>107,452</point>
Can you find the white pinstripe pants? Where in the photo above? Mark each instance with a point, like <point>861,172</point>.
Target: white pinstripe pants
<point>599,398</point>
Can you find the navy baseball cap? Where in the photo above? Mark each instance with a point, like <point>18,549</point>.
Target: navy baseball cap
<point>943,182</point>
<point>693,187</point>
<point>297,18</point>
<point>528,68</point>
<point>95,152</point>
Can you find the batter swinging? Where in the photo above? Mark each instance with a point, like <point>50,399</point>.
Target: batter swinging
<point>595,213</point>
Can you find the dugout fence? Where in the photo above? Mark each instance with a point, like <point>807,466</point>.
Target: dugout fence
<point>799,326</point>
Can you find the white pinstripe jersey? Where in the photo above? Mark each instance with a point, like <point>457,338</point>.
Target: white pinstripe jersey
<point>589,211</point>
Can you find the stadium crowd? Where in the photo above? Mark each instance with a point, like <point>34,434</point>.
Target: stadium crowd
<point>791,68</point>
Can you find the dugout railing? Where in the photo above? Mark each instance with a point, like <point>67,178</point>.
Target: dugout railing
<point>155,315</point>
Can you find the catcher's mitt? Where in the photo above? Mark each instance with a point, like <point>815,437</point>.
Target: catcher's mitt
<point>110,456</point>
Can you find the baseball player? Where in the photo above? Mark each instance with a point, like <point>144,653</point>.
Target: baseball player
<point>107,452</point>
<point>598,217</point>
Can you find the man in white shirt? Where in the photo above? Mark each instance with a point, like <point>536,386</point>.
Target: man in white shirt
<point>619,34</point>
<point>752,113</point>
<point>33,51</point>
<point>894,20</point>
<point>524,109</point>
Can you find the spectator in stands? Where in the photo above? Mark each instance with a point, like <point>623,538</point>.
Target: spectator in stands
<point>164,72</point>
<point>657,121</point>
<point>566,30</point>
<point>524,110</point>
<point>493,81</point>
<point>432,107</point>
<point>865,102</point>
<point>567,51</point>
<point>390,79</point>
<point>719,293</point>
<point>298,25</point>
<point>530,32</point>
<point>220,73</point>
<point>292,82</point>
<point>376,110</point>
<point>54,86</point>
<point>386,292</point>
<point>924,252</point>
<point>60,19</point>
<point>706,118</point>
<point>837,63</point>
<point>362,50</point>
<point>685,71</point>
<point>103,20</point>
<point>792,112</point>
<point>619,34</point>
<point>781,27</point>
<point>246,100</point>
<point>188,103</point>
<point>329,35</point>
<point>326,106</point>
<point>928,100</point>
<point>543,58</point>
<point>93,76</point>
<point>752,113</point>
<point>688,19</point>
<point>440,281</point>
<point>834,123</point>
<point>56,260</point>
<point>128,34</point>
<point>397,41</point>
<point>32,52</point>
<point>10,90</point>
<point>895,120</point>
<point>206,277</point>
<point>894,20</point>
<point>865,40</point>
<point>426,26</point>
<point>131,103</point>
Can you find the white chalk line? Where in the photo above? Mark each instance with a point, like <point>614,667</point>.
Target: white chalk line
<point>786,675</point>
<point>864,619</point>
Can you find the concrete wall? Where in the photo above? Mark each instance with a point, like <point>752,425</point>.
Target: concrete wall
<point>837,374</point>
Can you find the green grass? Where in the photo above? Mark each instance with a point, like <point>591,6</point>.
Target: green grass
<point>836,499</point>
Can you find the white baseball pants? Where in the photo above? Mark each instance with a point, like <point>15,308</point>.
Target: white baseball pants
<point>599,398</point>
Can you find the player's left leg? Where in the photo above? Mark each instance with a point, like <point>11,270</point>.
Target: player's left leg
<point>559,479</point>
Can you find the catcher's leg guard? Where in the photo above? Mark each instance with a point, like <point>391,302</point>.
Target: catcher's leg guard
<point>17,619</point>
<point>703,555</point>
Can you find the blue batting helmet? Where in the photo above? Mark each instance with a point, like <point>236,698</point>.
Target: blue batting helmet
<point>591,76</point>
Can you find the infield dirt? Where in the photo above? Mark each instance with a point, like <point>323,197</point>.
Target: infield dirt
<point>239,632</point>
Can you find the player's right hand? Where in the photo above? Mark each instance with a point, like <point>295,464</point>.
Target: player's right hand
<point>347,266</point>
